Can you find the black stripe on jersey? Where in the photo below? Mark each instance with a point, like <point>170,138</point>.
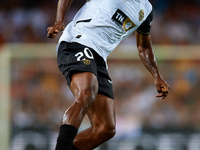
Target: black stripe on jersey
<point>86,20</point>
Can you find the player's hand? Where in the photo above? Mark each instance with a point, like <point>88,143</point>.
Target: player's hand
<point>52,31</point>
<point>162,88</point>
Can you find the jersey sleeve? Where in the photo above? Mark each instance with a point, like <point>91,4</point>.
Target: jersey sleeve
<point>145,27</point>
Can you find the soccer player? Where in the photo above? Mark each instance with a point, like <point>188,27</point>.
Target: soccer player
<point>97,28</point>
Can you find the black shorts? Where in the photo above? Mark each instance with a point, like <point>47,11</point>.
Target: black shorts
<point>74,58</point>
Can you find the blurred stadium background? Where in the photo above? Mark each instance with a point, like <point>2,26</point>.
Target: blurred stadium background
<point>34,94</point>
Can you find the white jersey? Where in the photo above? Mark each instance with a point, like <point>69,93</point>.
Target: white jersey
<point>102,24</point>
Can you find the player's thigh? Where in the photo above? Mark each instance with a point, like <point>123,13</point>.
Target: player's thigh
<point>85,82</point>
<point>102,112</point>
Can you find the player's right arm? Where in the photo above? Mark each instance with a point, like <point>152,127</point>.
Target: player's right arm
<point>62,8</point>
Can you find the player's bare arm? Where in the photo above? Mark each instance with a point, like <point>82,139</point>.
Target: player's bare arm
<point>148,59</point>
<point>62,8</point>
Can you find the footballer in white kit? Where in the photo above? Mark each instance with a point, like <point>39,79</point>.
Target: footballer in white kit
<point>97,28</point>
<point>102,24</point>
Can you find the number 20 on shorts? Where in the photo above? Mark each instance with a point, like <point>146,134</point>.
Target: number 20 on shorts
<point>85,54</point>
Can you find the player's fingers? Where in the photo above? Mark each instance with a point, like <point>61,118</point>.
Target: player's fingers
<point>51,32</point>
<point>162,89</point>
<point>162,95</point>
<point>50,29</point>
<point>50,35</point>
<point>165,89</point>
<point>159,89</point>
<point>159,95</point>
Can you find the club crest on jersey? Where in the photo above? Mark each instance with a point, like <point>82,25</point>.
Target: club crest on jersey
<point>141,14</point>
<point>86,61</point>
<point>122,20</point>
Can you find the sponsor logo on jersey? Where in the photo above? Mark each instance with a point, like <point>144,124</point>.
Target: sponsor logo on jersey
<point>141,14</point>
<point>121,19</point>
<point>87,61</point>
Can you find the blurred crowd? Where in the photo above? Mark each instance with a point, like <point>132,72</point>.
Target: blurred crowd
<point>175,22</point>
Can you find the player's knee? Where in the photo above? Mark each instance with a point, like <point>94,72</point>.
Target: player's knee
<point>86,96</point>
<point>111,132</point>
<point>108,131</point>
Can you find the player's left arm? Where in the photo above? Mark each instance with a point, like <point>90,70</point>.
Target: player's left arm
<point>148,58</point>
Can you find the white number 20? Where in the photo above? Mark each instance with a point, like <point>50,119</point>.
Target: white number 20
<point>85,54</point>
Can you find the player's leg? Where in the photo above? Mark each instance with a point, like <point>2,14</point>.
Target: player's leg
<point>84,86</point>
<point>102,118</point>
